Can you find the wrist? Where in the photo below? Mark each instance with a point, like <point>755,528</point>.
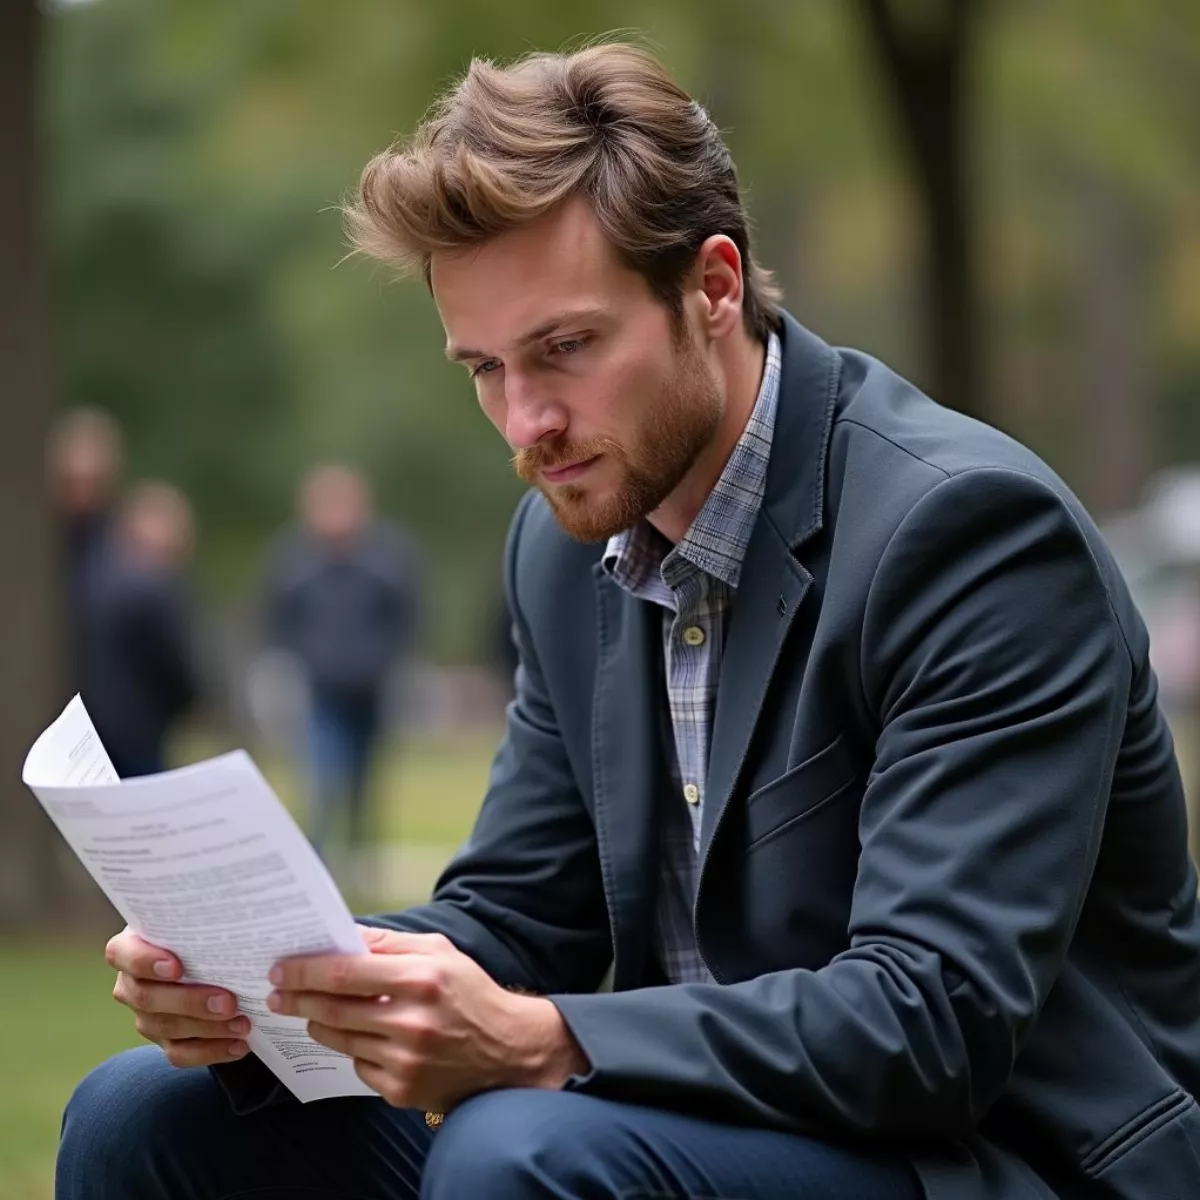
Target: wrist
<point>545,1052</point>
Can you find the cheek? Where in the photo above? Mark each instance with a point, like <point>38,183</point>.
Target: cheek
<point>633,392</point>
<point>620,391</point>
<point>649,356</point>
<point>491,401</point>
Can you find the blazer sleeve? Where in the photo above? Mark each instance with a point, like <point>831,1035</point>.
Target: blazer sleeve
<point>1000,679</point>
<point>524,896</point>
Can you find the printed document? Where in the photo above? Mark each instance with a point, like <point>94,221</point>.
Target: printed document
<point>206,862</point>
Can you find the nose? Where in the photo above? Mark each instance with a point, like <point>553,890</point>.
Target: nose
<point>531,413</point>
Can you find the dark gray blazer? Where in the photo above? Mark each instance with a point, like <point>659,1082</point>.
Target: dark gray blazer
<point>945,886</point>
<point>945,883</point>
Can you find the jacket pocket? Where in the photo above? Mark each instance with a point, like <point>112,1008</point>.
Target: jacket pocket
<point>799,792</point>
<point>1153,1156</point>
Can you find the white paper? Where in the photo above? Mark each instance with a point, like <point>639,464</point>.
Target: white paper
<point>205,862</point>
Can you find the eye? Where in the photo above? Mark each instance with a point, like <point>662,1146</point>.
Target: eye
<point>568,346</point>
<point>487,367</point>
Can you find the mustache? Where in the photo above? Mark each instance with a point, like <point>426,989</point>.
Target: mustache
<point>548,456</point>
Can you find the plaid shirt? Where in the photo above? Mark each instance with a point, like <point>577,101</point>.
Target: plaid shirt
<point>694,582</point>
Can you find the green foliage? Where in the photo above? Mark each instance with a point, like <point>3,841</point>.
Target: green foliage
<point>196,155</point>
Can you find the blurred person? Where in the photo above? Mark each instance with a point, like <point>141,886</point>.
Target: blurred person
<point>85,456</point>
<point>835,737</point>
<point>342,599</point>
<point>503,647</point>
<point>138,675</point>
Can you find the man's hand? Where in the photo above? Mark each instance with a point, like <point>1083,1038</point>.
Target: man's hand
<point>195,1025</point>
<point>425,1025</point>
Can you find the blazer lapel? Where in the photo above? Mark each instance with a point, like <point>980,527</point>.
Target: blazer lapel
<point>628,770</point>
<point>773,583</point>
<point>772,586</point>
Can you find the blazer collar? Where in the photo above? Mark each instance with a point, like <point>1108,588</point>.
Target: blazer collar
<point>795,496</point>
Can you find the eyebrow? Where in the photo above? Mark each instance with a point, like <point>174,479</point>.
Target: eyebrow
<point>545,329</point>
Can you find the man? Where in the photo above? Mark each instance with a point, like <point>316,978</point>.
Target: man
<point>342,600</point>
<point>833,727</point>
<point>84,462</point>
<point>138,672</point>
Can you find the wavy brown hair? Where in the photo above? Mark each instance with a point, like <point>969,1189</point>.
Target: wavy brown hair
<point>507,144</point>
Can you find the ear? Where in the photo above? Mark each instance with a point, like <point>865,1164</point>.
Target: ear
<point>719,286</point>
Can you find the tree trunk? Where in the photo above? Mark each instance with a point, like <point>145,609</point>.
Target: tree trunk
<point>39,881</point>
<point>928,70</point>
<point>1116,398</point>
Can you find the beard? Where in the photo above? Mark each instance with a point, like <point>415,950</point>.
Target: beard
<point>675,427</point>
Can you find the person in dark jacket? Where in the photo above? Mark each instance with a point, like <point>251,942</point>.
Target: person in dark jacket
<point>137,667</point>
<point>84,462</point>
<point>342,599</point>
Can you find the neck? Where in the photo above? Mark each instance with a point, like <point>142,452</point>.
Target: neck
<point>738,363</point>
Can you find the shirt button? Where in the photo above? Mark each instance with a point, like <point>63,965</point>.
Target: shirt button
<point>694,635</point>
<point>691,793</point>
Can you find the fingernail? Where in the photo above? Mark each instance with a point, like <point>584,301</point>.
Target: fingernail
<point>217,1004</point>
<point>239,1026</point>
<point>237,1049</point>
<point>274,1001</point>
<point>164,968</point>
<point>275,975</point>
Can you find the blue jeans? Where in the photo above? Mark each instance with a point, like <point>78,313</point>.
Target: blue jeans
<point>140,1129</point>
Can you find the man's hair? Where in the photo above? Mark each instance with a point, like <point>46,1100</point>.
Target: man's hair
<point>508,144</point>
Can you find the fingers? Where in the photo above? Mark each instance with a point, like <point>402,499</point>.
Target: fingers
<point>157,1027</point>
<point>374,937</point>
<point>395,941</point>
<point>195,1025</point>
<point>129,953</point>
<point>376,974</point>
<point>388,1086</point>
<point>402,1088</point>
<point>355,1045</point>
<point>351,1013</point>
<point>203,1003</point>
<point>202,1052</point>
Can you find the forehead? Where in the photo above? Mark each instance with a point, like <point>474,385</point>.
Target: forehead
<point>491,294</point>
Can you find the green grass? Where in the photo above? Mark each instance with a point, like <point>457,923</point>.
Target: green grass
<point>55,1006</point>
<point>59,1019</point>
<point>426,792</point>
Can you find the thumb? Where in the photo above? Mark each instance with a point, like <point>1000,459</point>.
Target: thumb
<point>394,941</point>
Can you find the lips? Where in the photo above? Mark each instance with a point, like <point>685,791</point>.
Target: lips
<point>569,472</point>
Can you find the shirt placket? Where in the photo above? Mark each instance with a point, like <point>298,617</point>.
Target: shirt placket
<point>688,648</point>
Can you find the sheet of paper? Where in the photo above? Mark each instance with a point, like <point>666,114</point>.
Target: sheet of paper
<point>206,862</point>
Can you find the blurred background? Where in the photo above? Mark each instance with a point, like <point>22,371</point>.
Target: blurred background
<point>241,490</point>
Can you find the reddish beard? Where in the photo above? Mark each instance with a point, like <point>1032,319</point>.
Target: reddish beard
<point>674,429</point>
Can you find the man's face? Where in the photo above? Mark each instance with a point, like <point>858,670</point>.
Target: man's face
<point>334,507</point>
<point>603,395</point>
<point>85,473</point>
